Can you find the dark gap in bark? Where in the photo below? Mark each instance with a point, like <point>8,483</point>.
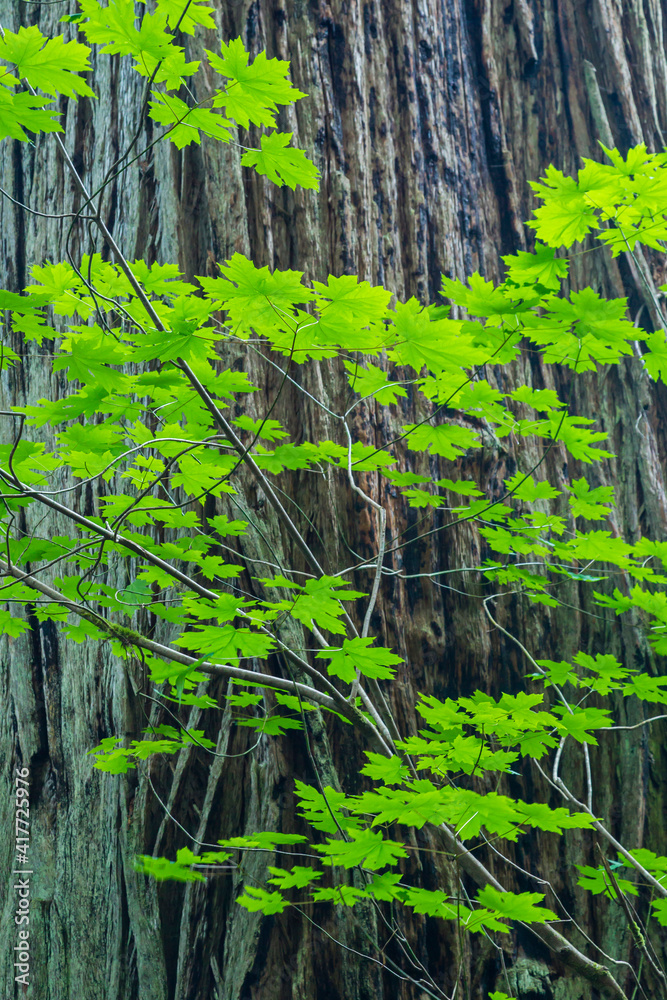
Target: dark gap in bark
<point>493,138</point>
<point>19,219</point>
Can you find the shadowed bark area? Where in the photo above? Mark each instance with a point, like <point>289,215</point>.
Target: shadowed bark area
<point>426,119</point>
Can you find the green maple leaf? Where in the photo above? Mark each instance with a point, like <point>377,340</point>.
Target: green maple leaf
<point>224,527</point>
<point>647,688</point>
<point>61,287</point>
<point>322,813</point>
<point>195,13</point>
<point>281,163</point>
<point>163,870</point>
<point>207,470</point>
<point>171,69</point>
<point>516,906</point>
<point>228,383</point>
<point>432,902</point>
<point>86,361</point>
<point>267,430</point>
<point>112,758</point>
<point>23,111</point>
<point>479,297</point>
<point>384,887</point>
<point>576,436</point>
<point>597,881</point>
<point>156,54</point>
<point>226,642</point>
<point>320,603</point>
<point>30,461</point>
<point>347,895</point>
<point>266,840</point>
<point>83,632</point>
<point>419,339</point>
<point>114,27</point>
<point>160,279</point>
<point>448,440</point>
<point>185,123</point>
<point>351,299</point>
<point>298,878</point>
<point>539,268</point>
<point>599,546</point>
<point>655,359</point>
<point>254,296</point>
<point>566,216</point>
<point>609,672</point>
<point>389,770</point>
<point>655,863</point>
<point>540,399</point>
<point>599,325</point>
<point>354,655</point>
<point>85,464</point>
<point>660,911</point>
<point>525,488</point>
<point>11,625</point>
<point>543,817</point>
<point>580,721</point>
<point>365,847</point>
<point>421,498</point>
<point>462,487</point>
<point>272,725</point>
<point>372,381</point>
<point>590,503</point>
<point>350,314</point>
<point>48,63</point>
<point>256,87</point>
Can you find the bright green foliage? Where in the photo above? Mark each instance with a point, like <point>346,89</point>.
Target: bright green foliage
<point>299,877</point>
<point>280,163</point>
<point>659,910</point>
<point>51,65</point>
<point>255,89</point>
<point>163,870</point>
<point>354,655</point>
<point>319,602</point>
<point>116,760</point>
<point>516,906</point>
<point>157,408</point>
<point>590,503</point>
<point>252,93</point>
<point>363,847</point>
<point>597,881</point>
<point>179,870</point>
<point>187,125</point>
<point>258,900</point>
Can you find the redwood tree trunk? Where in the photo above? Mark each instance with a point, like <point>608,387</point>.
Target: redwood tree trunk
<point>426,118</point>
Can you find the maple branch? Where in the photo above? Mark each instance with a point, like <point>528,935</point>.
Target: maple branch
<point>127,636</point>
<point>595,973</point>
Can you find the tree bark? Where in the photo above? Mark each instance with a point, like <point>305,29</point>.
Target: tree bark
<point>426,120</point>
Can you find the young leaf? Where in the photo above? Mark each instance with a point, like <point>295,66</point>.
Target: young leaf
<point>256,87</point>
<point>281,163</point>
<point>364,847</point>
<point>50,64</point>
<point>354,655</point>
<point>299,877</point>
<point>185,123</point>
<point>258,900</point>
<point>161,869</point>
<point>516,906</point>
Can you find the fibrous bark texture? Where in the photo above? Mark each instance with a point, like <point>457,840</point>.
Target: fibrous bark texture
<point>426,119</point>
